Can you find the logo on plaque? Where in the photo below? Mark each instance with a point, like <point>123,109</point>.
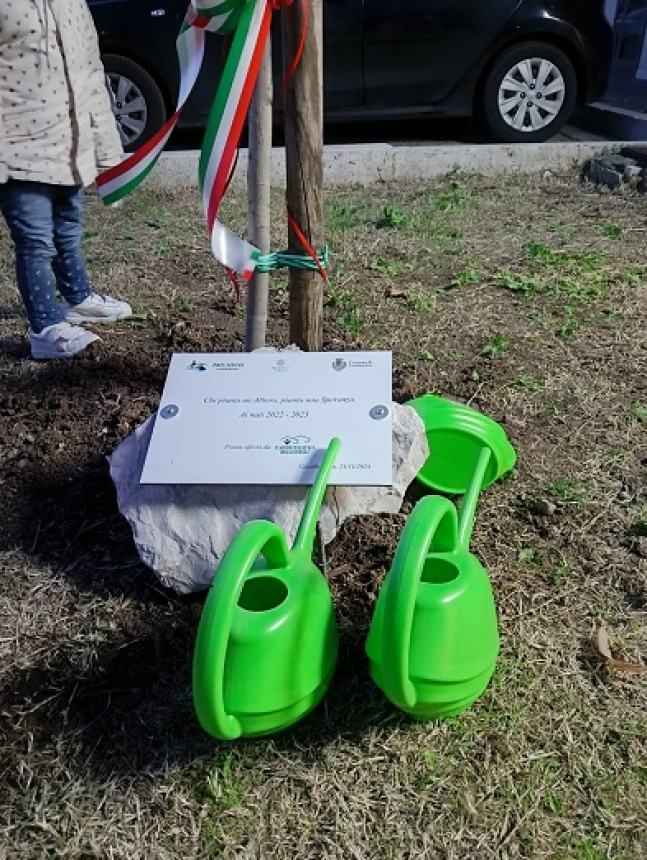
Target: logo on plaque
<point>296,445</point>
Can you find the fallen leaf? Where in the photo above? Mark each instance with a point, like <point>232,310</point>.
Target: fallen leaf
<point>603,646</point>
<point>601,641</point>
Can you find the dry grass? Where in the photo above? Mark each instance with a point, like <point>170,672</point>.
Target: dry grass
<point>525,299</point>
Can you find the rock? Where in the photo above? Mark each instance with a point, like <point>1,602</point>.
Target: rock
<point>617,161</point>
<point>181,532</point>
<point>632,173</point>
<point>544,508</point>
<point>607,170</point>
<point>600,174</point>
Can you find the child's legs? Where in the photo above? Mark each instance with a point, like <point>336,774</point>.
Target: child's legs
<point>28,210</point>
<point>69,266</point>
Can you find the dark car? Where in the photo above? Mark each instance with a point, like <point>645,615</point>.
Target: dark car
<point>628,85</point>
<point>521,66</point>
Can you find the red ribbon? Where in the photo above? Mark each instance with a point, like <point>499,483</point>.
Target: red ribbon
<point>303,239</point>
<point>298,54</point>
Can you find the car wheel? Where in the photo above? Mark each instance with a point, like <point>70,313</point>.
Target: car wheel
<point>529,93</point>
<point>137,101</point>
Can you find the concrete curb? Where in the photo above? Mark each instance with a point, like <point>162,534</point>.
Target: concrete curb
<point>380,163</point>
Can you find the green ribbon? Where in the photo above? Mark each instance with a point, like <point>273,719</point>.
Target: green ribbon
<point>267,263</point>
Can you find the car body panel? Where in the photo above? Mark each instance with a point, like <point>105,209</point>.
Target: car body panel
<point>628,81</point>
<point>144,31</point>
<point>410,55</point>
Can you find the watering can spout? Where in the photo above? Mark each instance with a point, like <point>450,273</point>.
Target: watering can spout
<point>305,537</point>
<point>471,499</point>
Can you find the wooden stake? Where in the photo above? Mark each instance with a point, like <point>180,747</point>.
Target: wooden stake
<point>258,196</point>
<point>304,152</point>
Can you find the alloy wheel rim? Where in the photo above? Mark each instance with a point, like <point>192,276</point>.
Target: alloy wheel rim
<point>531,95</point>
<point>129,107</point>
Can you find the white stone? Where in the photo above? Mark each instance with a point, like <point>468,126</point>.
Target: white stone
<point>181,532</point>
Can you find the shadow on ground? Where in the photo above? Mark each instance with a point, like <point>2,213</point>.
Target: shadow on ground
<point>132,714</point>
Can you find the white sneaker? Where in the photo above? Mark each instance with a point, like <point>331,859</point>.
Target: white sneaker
<point>97,309</point>
<point>60,340</point>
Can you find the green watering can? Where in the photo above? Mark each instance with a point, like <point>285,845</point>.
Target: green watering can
<point>267,641</point>
<point>456,435</point>
<point>433,642</point>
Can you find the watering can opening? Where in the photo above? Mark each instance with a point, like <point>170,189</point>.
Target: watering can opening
<point>456,435</point>
<point>262,593</point>
<point>438,571</point>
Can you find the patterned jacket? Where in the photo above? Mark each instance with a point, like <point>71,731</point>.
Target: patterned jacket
<point>56,123</point>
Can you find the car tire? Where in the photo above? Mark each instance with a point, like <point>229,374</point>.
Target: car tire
<point>513,107</point>
<point>141,110</point>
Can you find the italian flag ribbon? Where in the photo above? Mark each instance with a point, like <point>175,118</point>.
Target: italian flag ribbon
<point>249,21</point>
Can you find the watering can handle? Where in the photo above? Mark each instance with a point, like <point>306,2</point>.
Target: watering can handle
<point>258,537</point>
<point>432,525</point>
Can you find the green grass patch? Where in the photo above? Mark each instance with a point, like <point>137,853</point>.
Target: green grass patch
<point>420,300</point>
<point>393,218</point>
<point>496,346</point>
<point>392,267</point>
<point>466,277</point>
<point>640,412</point>
<point>352,321</point>
<point>457,196</point>
<point>566,491</point>
<point>343,217</point>
<point>611,230</point>
<point>527,383</point>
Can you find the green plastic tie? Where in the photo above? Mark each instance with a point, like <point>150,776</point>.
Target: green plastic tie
<point>267,263</point>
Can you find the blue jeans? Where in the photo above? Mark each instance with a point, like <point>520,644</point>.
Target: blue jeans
<point>45,222</point>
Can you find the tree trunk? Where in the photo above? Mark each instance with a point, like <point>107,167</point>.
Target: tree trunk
<point>304,151</point>
<point>258,196</point>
